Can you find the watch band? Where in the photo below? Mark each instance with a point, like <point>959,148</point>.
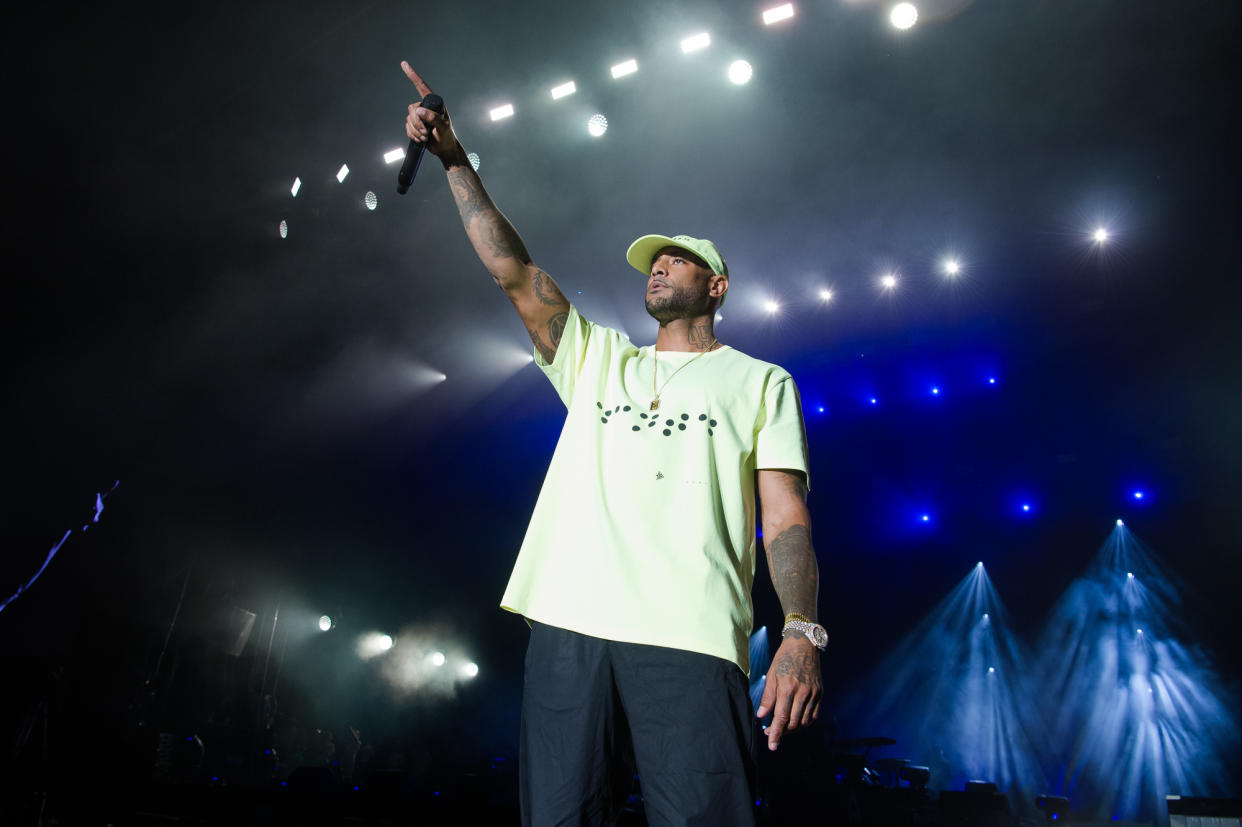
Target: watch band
<point>815,633</point>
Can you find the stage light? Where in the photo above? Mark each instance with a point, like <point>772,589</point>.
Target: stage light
<point>341,173</point>
<point>437,658</point>
<point>284,228</point>
<point>1026,507</point>
<point>888,281</point>
<point>825,295</point>
<point>1138,495</point>
<point>991,380</point>
<point>1100,235</point>
<point>926,518</point>
<point>771,306</point>
<point>597,125</point>
<point>874,401</point>
<point>951,267</point>
<point>297,185</point>
<point>474,160</point>
<point>935,391</point>
<point>470,670</point>
<point>979,565</point>
<point>777,14</point>
<point>372,644</point>
<point>991,670</point>
<point>625,67</point>
<point>567,88</point>
<point>695,42</point>
<point>325,623</point>
<point>903,15</point>
<point>394,155</point>
<point>501,112</point>
<point>1129,575</point>
<point>821,409</point>
<point>986,616</point>
<point>385,642</point>
<point>1138,631</point>
<point>719,318</point>
<point>1119,523</point>
<point>740,72</point>
<point>370,200</point>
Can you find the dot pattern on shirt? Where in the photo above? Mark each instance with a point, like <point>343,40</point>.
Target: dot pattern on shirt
<point>670,425</point>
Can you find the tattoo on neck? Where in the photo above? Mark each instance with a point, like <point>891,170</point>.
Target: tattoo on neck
<point>701,337</point>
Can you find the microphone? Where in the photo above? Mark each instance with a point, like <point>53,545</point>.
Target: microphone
<point>414,155</point>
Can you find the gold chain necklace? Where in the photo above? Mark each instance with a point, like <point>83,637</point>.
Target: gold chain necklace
<point>655,373</point>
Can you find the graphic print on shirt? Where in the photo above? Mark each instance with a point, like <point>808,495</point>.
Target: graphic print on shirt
<point>668,424</point>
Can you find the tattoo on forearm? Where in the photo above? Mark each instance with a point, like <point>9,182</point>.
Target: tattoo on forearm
<point>795,572</point>
<point>701,337</point>
<point>493,234</point>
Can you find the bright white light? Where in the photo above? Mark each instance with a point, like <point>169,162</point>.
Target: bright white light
<point>951,267</point>
<point>888,282</point>
<point>903,15</point>
<point>1026,507</point>
<point>341,173</point>
<point>1130,575</point>
<point>474,160</point>
<point>935,391</point>
<point>372,644</point>
<point>297,185</point>
<point>771,306</point>
<point>394,155</point>
<point>777,14</point>
<point>1139,631</point>
<point>470,670</point>
<point>1100,235</point>
<point>695,42</point>
<point>991,670</point>
<point>597,125</point>
<point>1138,495</point>
<point>567,88</point>
<point>874,401</point>
<point>625,67</point>
<point>979,565</point>
<point>1120,523</point>
<point>740,72</point>
<point>501,112</point>
<point>825,295</point>
<point>370,200</point>
<point>284,228</point>
<point>325,623</point>
<point>926,518</point>
<point>985,614</point>
<point>437,658</point>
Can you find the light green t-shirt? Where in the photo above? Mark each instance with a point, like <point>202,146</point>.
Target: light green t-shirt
<point>644,530</point>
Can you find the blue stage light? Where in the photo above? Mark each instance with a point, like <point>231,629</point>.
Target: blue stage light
<point>1026,507</point>
<point>874,401</point>
<point>926,518</point>
<point>1138,495</point>
<point>935,391</point>
<point>821,408</point>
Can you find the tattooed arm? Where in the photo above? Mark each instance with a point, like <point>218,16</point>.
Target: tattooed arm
<point>536,297</point>
<point>794,684</point>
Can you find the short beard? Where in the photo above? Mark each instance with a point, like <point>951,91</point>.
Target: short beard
<point>678,303</point>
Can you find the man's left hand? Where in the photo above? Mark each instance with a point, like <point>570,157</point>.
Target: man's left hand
<point>792,688</point>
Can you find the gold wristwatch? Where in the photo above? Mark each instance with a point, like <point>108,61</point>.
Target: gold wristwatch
<point>797,622</point>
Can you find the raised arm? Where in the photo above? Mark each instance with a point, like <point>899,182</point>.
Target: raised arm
<point>794,684</point>
<point>536,297</point>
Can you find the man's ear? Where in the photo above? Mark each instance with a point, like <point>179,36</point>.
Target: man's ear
<point>719,284</point>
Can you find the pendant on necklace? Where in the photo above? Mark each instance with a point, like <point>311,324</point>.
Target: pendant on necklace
<point>655,404</point>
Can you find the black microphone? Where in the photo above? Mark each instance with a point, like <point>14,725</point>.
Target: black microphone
<point>414,155</point>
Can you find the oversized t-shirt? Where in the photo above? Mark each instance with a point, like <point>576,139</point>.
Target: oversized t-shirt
<point>644,530</point>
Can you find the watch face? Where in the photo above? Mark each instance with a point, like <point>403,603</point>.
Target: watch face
<point>819,637</point>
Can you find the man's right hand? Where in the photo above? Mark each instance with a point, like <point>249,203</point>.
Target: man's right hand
<point>431,128</point>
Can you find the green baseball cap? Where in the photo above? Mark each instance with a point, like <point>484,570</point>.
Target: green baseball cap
<point>643,251</point>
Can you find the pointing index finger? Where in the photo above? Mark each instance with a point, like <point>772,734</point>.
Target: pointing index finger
<point>419,83</point>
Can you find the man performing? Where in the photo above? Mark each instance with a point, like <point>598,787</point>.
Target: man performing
<point>636,570</point>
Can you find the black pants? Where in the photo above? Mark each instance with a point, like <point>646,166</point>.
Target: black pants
<point>590,706</point>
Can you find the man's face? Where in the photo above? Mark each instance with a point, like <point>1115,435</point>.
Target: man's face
<point>678,286</point>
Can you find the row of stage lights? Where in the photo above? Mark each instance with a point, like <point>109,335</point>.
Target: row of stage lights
<point>902,16</point>
<point>373,644</point>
